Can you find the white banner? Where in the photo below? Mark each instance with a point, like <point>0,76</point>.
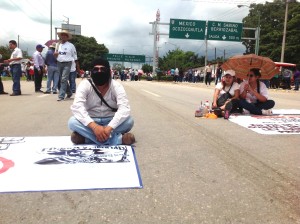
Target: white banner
<point>54,163</point>
<point>275,124</point>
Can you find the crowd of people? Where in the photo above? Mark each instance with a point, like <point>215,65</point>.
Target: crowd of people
<point>101,111</point>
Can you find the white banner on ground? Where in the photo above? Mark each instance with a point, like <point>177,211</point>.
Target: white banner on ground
<point>54,163</point>
<point>269,125</point>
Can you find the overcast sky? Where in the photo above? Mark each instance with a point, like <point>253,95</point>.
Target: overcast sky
<point>122,25</point>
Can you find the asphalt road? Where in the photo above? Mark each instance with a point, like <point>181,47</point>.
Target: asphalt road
<point>193,170</point>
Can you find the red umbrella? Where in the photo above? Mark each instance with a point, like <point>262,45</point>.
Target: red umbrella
<point>241,64</point>
<point>49,42</point>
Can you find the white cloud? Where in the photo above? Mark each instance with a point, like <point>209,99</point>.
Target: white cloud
<point>120,25</point>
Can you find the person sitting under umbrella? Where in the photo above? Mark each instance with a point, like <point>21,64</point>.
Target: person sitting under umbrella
<point>226,95</point>
<point>254,95</point>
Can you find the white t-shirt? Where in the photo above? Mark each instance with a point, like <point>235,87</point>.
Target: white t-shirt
<point>234,87</point>
<point>66,52</point>
<point>17,53</point>
<point>263,90</point>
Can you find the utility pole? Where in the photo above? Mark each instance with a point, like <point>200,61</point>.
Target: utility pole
<point>156,34</point>
<point>50,19</point>
<point>205,63</point>
<point>284,30</point>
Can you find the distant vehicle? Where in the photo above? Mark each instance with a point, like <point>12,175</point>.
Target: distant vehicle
<point>284,65</point>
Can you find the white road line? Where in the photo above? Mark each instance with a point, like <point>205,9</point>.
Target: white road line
<point>44,95</point>
<point>151,93</point>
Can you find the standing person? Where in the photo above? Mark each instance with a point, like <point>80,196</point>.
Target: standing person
<point>297,78</point>
<point>65,53</point>
<point>15,67</point>
<point>28,76</point>
<point>72,78</point>
<point>274,82</point>
<point>219,73</point>
<point>1,84</point>
<point>208,70</point>
<point>53,75</point>
<point>287,75</point>
<point>254,95</point>
<point>176,76</point>
<point>101,111</point>
<point>39,63</point>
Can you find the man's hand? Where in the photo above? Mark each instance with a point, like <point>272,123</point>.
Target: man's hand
<point>102,132</point>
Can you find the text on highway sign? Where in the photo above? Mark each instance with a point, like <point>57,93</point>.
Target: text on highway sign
<point>224,31</point>
<point>187,29</point>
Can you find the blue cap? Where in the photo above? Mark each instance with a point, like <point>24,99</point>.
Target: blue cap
<point>39,46</point>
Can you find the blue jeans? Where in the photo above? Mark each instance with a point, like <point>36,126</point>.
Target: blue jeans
<point>255,108</point>
<point>64,72</point>
<point>53,76</point>
<point>16,72</point>
<point>218,78</point>
<point>116,135</point>
<point>72,81</point>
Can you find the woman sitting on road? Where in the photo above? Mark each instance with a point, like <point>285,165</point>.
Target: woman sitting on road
<point>254,95</point>
<point>226,95</point>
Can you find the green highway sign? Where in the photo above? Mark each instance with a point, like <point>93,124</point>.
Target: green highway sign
<point>125,58</point>
<point>224,31</point>
<point>187,29</point>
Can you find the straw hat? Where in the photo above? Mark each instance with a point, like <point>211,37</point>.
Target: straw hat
<point>53,45</point>
<point>65,32</point>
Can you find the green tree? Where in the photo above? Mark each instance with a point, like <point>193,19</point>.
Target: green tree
<point>180,59</point>
<point>5,52</point>
<point>88,49</point>
<point>147,68</point>
<point>271,19</point>
<point>118,67</point>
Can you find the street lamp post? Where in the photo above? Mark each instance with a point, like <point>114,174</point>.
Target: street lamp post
<point>257,31</point>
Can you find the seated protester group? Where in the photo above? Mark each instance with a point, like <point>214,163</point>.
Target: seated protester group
<point>226,95</point>
<point>101,111</point>
<point>254,95</point>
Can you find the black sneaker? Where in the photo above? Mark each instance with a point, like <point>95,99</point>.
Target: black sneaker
<point>218,111</point>
<point>228,108</point>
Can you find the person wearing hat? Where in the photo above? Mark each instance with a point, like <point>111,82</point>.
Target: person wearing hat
<point>254,95</point>
<point>39,63</point>
<point>52,75</point>
<point>15,67</point>
<point>226,95</point>
<point>101,111</point>
<point>65,52</point>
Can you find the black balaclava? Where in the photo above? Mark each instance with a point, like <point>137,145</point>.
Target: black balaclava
<point>100,78</point>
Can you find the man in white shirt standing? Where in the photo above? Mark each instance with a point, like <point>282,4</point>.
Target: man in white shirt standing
<point>39,63</point>
<point>65,53</point>
<point>15,67</point>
